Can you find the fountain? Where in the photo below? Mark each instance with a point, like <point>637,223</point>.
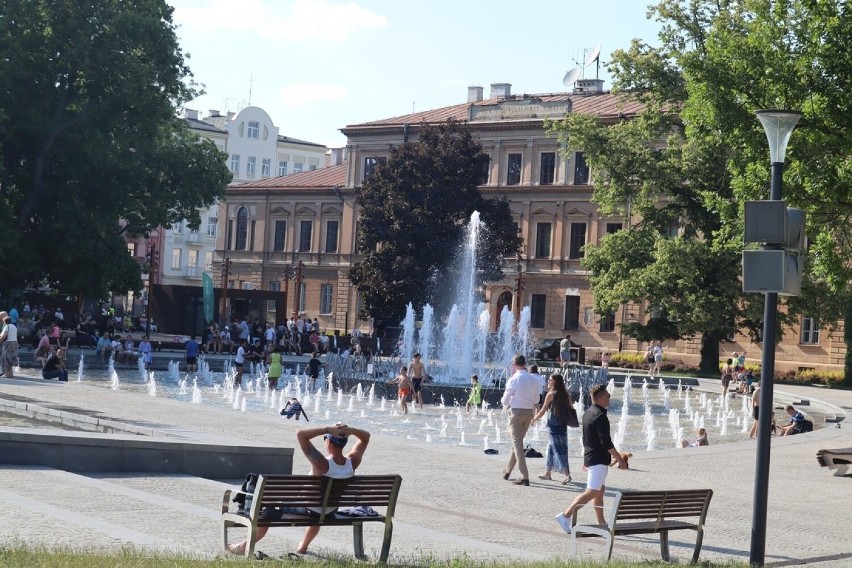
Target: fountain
<point>80,369</point>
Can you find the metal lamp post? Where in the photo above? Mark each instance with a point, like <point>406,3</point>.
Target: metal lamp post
<point>779,125</point>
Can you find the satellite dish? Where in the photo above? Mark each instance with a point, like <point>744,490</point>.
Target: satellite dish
<point>593,55</point>
<point>571,77</point>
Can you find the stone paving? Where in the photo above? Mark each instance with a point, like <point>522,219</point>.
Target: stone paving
<point>453,500</point>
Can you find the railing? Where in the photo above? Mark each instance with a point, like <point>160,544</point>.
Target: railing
<point>192,272</point>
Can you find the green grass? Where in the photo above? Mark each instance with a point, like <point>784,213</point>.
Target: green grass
<point>23,557</point>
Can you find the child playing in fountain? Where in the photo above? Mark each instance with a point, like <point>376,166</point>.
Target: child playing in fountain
<point>404,388</point>
<point>475,398</point>
<point>293,408</point>
<point>701,440</point>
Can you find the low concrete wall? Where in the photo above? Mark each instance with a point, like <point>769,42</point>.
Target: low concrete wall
<point>110,445</point>
<point>83,453</point>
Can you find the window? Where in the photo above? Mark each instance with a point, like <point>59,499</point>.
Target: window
<point>177,228</point>
<point>513,170</point>
<point>131,248</point>
<point>282,168</point>
<point>242,228</point>
<point>331,228</point>
<point>578,240</point>
<point>588,316</point>
<point>176,254</point>
<point>305,229</point>
<point>572,312</point>
<point>247,285</point>
<point>810,331</point>
<point>274,286</point>
<point>297,168</point>
<point>303,291</point>
<point>542,240</point>
<point>581,169</point>
<point>312,167</point>
<point>265,167</point>
<point>325,299</point>
<point>371,163</point>
<point>548,168</point>
<point>537,306</point>
<point>613,228</point>
<point>253,129</point>
<point>484,172</point>
<point>250,165</point>
<point>208,261</point>
<point>211,226</point>
<point>280,232</point>
<point>192,258</point>
<point>235,163</point>
<point>608,321</point>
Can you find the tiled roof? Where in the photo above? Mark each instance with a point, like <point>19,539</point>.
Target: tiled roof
<point>217,121</point>
<point>297,141</point>
<point>196,124</point>
<point>325,177</point>
<point>604,104</point>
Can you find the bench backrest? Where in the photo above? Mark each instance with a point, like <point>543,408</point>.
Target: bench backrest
<point>317,491</point>
<point>661,505</point>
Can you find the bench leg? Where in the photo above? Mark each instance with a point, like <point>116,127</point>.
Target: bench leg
<point>250,541</point>
<point>386,541</point>
<point>664,545</point>
<point>609,544</point>
<point>699,538</point>
<point>225,536</point>
<point>358,540</point>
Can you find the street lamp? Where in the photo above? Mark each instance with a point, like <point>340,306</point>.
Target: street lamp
<point>779,125</point>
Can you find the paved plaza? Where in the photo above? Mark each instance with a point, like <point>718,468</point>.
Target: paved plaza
<point>453,501</point>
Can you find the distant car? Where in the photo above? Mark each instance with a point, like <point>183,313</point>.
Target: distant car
<point>547,348</point>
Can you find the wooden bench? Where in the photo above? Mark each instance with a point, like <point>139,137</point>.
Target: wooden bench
<point>650,512</point>
<point>320,493</point>
<point>838,460</point>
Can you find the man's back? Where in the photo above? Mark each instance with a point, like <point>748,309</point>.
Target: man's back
<point>522,390</point>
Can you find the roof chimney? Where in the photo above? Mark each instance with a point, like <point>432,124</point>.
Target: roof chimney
<point>336,156</point>
<point>190,114</point>
<point>501,90</point>
<point>474,94</point>
<point>212,113</point>
<point>588,86</point>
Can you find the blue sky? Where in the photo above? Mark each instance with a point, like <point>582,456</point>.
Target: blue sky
<point>318,65</point>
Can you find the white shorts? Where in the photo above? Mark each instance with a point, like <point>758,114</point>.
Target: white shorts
<point>597,477</point>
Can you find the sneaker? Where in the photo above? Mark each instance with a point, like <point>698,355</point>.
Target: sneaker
<point>564,522</point>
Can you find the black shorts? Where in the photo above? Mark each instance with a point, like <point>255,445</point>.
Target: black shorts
<point>192,360</point>
<point>276,513</point>
<point>755,411</point>
<point>418,382</point>
<point>239,365</point>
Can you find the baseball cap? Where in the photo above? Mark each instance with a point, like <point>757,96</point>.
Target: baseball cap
<point>336,440</point>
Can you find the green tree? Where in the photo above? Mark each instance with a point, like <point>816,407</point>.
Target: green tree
<point>688,162</point>
<point>414,211</point>
<point>91,143</point>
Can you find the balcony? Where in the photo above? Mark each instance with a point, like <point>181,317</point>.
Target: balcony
<point>193,272</point>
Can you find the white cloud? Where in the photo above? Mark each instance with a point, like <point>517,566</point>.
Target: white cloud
<point>302,93</point>
<point>297,20</point>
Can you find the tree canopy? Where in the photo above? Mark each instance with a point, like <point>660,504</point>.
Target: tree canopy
<point>697,152</point>
<point>91,142</point>
<point>414,210</point>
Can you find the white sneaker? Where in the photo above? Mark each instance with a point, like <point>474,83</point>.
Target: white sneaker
<point>564,522</point>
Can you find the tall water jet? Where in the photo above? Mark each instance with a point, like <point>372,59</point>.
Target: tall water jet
<point>425,335</point>
<point>80,368</point>
<point>407,350</point>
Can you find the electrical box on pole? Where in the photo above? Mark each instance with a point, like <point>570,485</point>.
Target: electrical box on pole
<point>777,267</point>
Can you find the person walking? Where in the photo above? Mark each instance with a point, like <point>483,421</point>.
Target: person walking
<point>404,383</point>
<point>275,368</point>
<point>755,411</point>
<point>558,402</point>
<point>727,377</point>
<point>9,339</point>
<point>418,374</point>
<point>520,397</point>
<point>600,452</point>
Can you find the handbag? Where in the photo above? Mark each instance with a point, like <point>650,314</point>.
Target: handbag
<point>573,421</point>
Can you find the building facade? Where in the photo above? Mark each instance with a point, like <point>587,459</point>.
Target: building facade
<point>310,221</point>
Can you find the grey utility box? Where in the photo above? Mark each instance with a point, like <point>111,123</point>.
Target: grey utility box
<point>772,271</point>
<point>772,222</point>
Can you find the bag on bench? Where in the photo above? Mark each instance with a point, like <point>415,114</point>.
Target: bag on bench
<point>246,495</point>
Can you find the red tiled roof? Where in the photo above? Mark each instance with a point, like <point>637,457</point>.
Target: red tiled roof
<point>325,177</point>
<point>603,104</point>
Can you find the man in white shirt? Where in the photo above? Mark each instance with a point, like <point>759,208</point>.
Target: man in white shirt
<point>520,396</point>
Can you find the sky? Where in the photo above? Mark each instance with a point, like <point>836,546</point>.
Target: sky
<point>318,65</point>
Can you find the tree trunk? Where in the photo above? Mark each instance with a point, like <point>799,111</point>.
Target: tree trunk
<point>709,355</point>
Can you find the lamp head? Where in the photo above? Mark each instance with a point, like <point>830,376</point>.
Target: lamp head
<point>778,125</point>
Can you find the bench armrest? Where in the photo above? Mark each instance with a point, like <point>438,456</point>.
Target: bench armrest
<point>226,498</point>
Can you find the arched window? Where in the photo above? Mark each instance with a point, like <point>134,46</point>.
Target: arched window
<point>242,228</point>
<point>504,300</point>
